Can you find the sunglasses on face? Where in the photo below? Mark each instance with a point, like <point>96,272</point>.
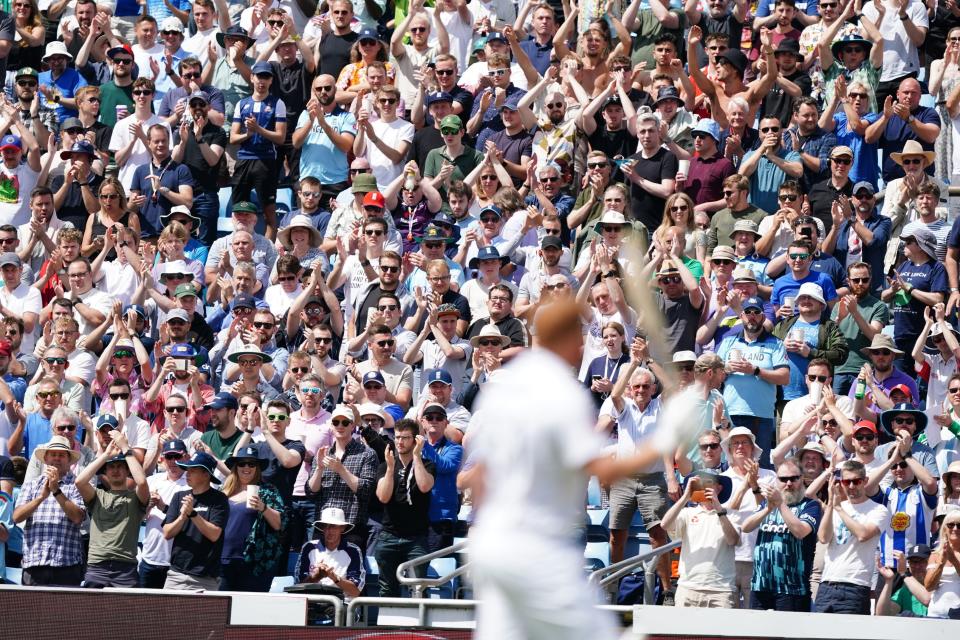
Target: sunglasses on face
<point>55,360</point>
<point>172,456</point>
<point>247,362</point>
<point>434,417</point>
<point>372,209</point>
<point>727,193</point>
<point>901,465</point>
<point>787,197</point>
<point>300,369</point>
<point>26,83</point>
<point>687,368</point>
<point>373,233</point>
<point>387,307</point>
<point>277,417</point>
<point>860,280</point>
<point>496,73</point>
<point>143,92</point>
<point>769,129</point>
<point>193,75</point>
<point>122,354</point>
<point>314,312</point>
<point>753,312</point>
<point>445,72</point>
<point>911,160</point>
<point>954,389</point>
<point>814,378</point>
<point>341,423</point>
<point>844,160</point>
<point>596,165</point>
<point>857,94</point>
<point>550,179</point>
<point>612,229</point>
<point>829,422</point>
<point>66,427</point>
<point>864,437</point>
<point>799,256</point>
<point>852,482</point>
<point>176,409</point>
<point>385,268</point>
<point>386,343</point>
<point>899,420</point>
<point>43,395</point>
<point>119,396</point>
<point>246,464</point>
<point>678,208</point>
<point>326,87</point>
<point>670,280</point>
<point>313,391</point>
<point>373,386</point>
<point>263,325</point>
<point>387,101</point>
<point>448,131</point>
<point>488,343</point>
<point>722,262</point>
<point>952,525</point>
<point>418,29</point>
<point>710,446</point>
<point>788,479</point>
<point>286,278</point>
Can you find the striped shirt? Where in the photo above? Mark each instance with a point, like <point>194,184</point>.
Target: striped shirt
<point>911,514</point>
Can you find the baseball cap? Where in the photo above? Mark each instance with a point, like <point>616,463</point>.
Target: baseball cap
<point>373,376</point>
<point>752,303</point>
<point>178,314</point>
<point>107,420</point>
<point>918,551</point>
<point>27,72</point>
<point>865,424</point>
<point>174,446</point>
<point>11,142</point>
<point>863,184</point>
<point>222,400</point>
<point>841,150</point>
<point>171,23</point>
<point>243,300</point>
<point>551,241</point>
<point>199,95</point>
<point>435,407</point>
<point>450,122</point>
<point>124,48</point>
<point>244,207</point>
<point>496,35</point>
<point>439,96</point>
<point>184,290</point>
<point>438,375</point>
<point>744,274</point>
<point>9,258</point>
<point>261,68</point>
<point>374,199</point>
<point>183,350</point>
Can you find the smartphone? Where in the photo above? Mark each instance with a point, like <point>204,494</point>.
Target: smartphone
<point>594,378</point>
<point>836,475</point>
<point>179,364</point>
<point>699,496</point>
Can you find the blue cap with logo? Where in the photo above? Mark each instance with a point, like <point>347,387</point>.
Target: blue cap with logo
<point>439,96</point>
<point>182,350</point>
<point>437,375</point>
<point>373,376</point>
<point>752,303</point>
<point>11,141</point>
<point>488,253</point>
<point>107,420</point>
<point>174,446</point>
<point>243,300</point>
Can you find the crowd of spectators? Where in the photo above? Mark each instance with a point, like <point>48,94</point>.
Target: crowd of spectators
<point>260,260</point>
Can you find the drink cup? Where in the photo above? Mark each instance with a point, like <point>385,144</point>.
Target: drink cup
<point>253,491</point>
<point>736,354</point>
<point>683,166</point>
<point>816,392</point>
<point>122,111</point>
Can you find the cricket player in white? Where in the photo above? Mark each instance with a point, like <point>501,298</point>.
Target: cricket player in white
<point>535,450</point>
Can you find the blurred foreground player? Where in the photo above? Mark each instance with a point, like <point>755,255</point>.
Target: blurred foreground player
<point>534,451</point>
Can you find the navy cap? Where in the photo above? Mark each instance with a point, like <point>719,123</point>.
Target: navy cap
<point>918,551</point>
<point>489,252</point>
<point>199,95</point>
<point>243,300</point>
<point>222,400</point>
<point>107,420</point>
<point>247,453</point>
<point>439,96</point>
<point>437,375</point>
<point>863,184</point>
<point>496,35</point>
<point>443,217</point>
<point>262,67</point>
<point>752,303</point>
<point>203,461</point>
<point>137,309</point>
<point>174,446</point>
<point>492,209</point>
<point>182,350</point>
<point>373,376</point>
<point>512,103</point>
<point>80,146</point>
<point>368,33</point>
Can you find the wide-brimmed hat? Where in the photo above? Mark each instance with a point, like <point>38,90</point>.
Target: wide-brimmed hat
<point>56,443</point>
<point>953,469</point>
<point>489,330</point>
<point>668,93</point>
<point>851,38</point>
<point>249,350</point>
<point>881,341</point>
<point>789,45</point>
<point>813,290</point>
<point>187,211</point>
<point>815,447</point>
<point>202,460</point>
<point>741,431</point>
<point>723,252</point>
<point>744,274</point>
<point>925,238</point>
<point>886,418</point>
<point>684,356</point>
<point>335,516</point>
<point>55,48</point>
<point>736,58</point>
<point>745,225</point>
<point>363,183</point>
<point>235,31</point>
<point>298,222</point>
<point>372,409</point>
<point>913,148</point>
<point>937,331</point>
<point>610,217</point>
<point>247,453</point>
<point>488,253</point>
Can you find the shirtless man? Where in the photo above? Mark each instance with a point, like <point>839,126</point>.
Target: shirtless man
<point>729,81</point>
<point>592,48</point>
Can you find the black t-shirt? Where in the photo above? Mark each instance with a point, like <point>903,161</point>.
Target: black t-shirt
<point>508,326</point>
<point>335,52</point>
<point>192,553</point>
<point>7,29</point>
<point>613,143</point>
<point>648,208</point>
<point>292,85</point>
<point>101,136</point>
<point>275,473</point>
<point>73,208</point>
<point>727,24</point>
<point>407,513</point>
<point>6,469</point>
<point>424,141</point>
<point>779,103</point>
<point>203,174</point>
<point>370,301</point>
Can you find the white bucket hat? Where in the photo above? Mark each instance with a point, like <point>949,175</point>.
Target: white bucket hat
<point>333,515</point>
<point>741,431</point>
<point>813,290</point>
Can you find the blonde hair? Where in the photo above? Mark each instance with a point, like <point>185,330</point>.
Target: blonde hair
<point>231,486</point>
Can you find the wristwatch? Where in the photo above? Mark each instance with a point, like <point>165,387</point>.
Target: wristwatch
<point>128,453</point>
<point>911,119</point>
<point>192,514</point>
<point>721,512</point>
<point>58,492</point>
<point>364,263</point>
<point>756,371</point>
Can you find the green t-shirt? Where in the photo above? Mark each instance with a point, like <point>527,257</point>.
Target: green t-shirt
<point>222,448</point>
<point>648,29</point>
<point>115,518</point>
<point>908,602</point>
<point>112,96</point>
<point>871,309</point>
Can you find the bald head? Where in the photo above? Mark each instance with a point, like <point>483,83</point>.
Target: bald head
<point>559,330</point>
<point>909,93</point>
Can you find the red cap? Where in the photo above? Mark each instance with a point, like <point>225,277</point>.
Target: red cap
<point>6,348</point>
<point>374,199</point>
<point>904,389</point>
<point>865,424</point>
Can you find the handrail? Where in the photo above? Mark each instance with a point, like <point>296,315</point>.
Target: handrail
<point>416,584</point>
<point>624,567</point>
<point>422,605</point>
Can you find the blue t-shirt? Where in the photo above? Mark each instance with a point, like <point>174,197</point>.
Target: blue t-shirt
<point>36,432</point>
<point>895,135</point>
<point>268,113</point>
<point>319,157</point>
<point>930,276</point>
<point>745,393</point>
<point>786,286</point>
<point>865,165</point>
<point>783,562</point>
<point>766,180</point>
<point>797,387</point>
<point>67,84</point>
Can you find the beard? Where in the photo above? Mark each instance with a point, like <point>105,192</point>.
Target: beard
<point>793,496</point>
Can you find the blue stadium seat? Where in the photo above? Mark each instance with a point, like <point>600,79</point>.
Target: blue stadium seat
<point>593,492</point>
<point>599,551</point>
<point>442,567</point>
<point>292,559</point>
<point>281,582</point>
<point>13,576</point>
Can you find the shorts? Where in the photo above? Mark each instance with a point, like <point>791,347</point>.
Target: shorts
<point>843,597</point>
<point>183,582</point>
<point>111,574</point>
<point>646,492</point>
<point>687,597</point>
<point>258,175</point>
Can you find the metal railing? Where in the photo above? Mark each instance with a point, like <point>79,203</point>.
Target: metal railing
<point>425,607</point>
<point>417,585</point>
<point>607,575</point>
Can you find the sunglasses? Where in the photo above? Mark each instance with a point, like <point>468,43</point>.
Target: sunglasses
<point>119,396</point>
<point>494,220</point>
<point>842,160</point>
<point>555,105</point>
<point>679,208</point>
<point>384,268</point>
<point>899,420</point>
<point>387,101</point>
<point>829,422</point>
<point>489,342</point>
<point>769,129</point>
<point>387,307</point>
<point>445,72</point>
<point>857,94</point>
<point>175,409</point>
<point>859,280</point>
<point>176,322</point>
<point>22,83</point>
<point>496,73</point>
<point>853,50</point>
<point>109,196</point>
<point>710,446</point>
<point>418,29</point>
<point>911,161</point>
<point>373,386</point>
<point>434,417</point>
<point>275,23</point>
<point>143,92</point>
<point>864,437</point>
<point>277,417</point>
<point>263,325</point>
<point>954,390</point>
<point>249,362</point>
<point>727,193</point>
<point>372,209</point>
<point>247,463</point>
<point>341,423</point>
<point>851,482</point>
<point>813,378</point>
<point>787,197</point>
<point>799,256</point>
<point>173,456</point>
<point>723,262</point>
<point>952,525</point>
<point>48,394</point>
<point>122,354</point>
<point>612,229</point>
<point>550,179</point>
<point>191,76</point>
<point>596,165</point>
<point>670,280</point>
<point>753,312</point>
<point>373,233</point>
<point>786,479</point>
<point>386,343</point>
<point>313,391</point>
<point>323,340</point>
<point>901,465</point>
<point>686,368</point>
<point>326,87</point>
<point>55,360</point>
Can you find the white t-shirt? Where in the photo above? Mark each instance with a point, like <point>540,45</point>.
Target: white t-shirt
<point>95,299</point>
<point>795,409</point>
<point>900,55</point>
<point>83,365</point>
<point>706,560</point>
<point>470,80</point>
<point>392,134</point>
<point>156,549</point>
<point>635,425</point>
<point>197,44</point>
<point>434,358</point>
<point>119,280</point>
<point>15,187</point>
<point>461,36</point>
<point>848,559</point>
<point>138,432</point>
<point>24,299</point>
<point>477,294</point>
<point>748,506</point>
<point>538,483</point>
<point>279,300</point>
<point>140,155</point>
<point>593,335</point>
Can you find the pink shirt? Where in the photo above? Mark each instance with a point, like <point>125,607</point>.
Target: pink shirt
<point>314,433</point>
